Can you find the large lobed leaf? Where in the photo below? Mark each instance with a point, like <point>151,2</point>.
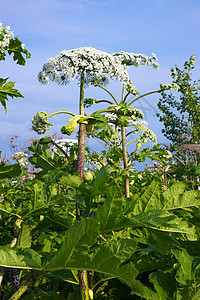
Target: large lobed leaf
<point>107,259</point>
<point>174,198</point>
<point>110,214</point>
<point>102,177</point>
<point>19,258</point>
<point>74,249</point>
<point>9,171</point>
<point>163,221</point>
<point>17,49</point>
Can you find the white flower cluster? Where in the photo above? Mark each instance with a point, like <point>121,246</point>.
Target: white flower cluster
<point>139,126</point>
<point>111,117</point>
<point>5,36</point>
<point>94,165</point>
<point>97,66</point>
<point>137,59</point>
<point>65,144</point>
<point>170,86</point>
<point>19,156</point>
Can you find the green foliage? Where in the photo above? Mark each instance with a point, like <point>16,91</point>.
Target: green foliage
<point>7,90</point>
<point>138,245</point>
<point>17,49</point>
<point>9,171</point>
<point>181,116</point>
<point>13,46</point>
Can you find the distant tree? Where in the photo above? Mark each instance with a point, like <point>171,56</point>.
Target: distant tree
<point>180,114</point>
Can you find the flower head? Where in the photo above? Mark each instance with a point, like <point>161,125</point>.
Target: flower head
<point>5,36</point>
<point>136,59</point>
<point>97,66</point>
<point>40,123</point>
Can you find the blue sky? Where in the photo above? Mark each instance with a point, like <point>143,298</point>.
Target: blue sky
<point>169,28</point>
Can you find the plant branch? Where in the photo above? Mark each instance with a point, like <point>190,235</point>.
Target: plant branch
<point>126,181</point>
<point>61,112</point>
<point>24,287</point>
<point>107,92</point>
<point>149,93</point>
<point>60,148</point>
<point>101,101</point>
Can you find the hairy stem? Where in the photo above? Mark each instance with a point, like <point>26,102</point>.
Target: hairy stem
<point>83,276</point>
<point>81,149</point>
<point>127,186</point>
<point>84,288</point>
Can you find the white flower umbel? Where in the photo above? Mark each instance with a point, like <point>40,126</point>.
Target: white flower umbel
<point>65,144</point>
<point>5,36</point>
<point>136,59</point>
<point>139,126</point>
<point>97,66</point>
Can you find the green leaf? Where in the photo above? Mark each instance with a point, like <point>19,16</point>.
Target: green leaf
<point>164,283</point>
<point>72,181</point>
<point>40,195</point>
<point>151,197</point>
<point>164,221</point>
<point>7,207</point>
<point>42,157</point>
<point>101,179</point>
<point>7,90</point>
<point>110,213</point>
<point>9,171</point>
<point>24,239</point>
<point>19,258</point>
<point>16,48</point>
<point>75,246</point>
<point>185,274</point>
<point>176,197</point>
<point>173,198</point>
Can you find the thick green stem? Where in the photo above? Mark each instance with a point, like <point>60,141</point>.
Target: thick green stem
<point>127,186</point>
<point>84,288</point>
<point>83,276</point>
<point>81,134</point>
<point>123,92</point>
<point>24,287</point>
<point>2,271</point>
<point>81,108</point>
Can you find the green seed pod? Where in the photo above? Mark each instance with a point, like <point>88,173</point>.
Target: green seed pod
<point>45,140</point>
<point>17,227</point>
<point>144,140</point>
<point>13,242</point>
<point>139,144</point>
<point>87,176</point>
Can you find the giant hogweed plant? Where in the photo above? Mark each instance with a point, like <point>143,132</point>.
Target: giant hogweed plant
<point>111,237</point>
<point>89,66</point>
